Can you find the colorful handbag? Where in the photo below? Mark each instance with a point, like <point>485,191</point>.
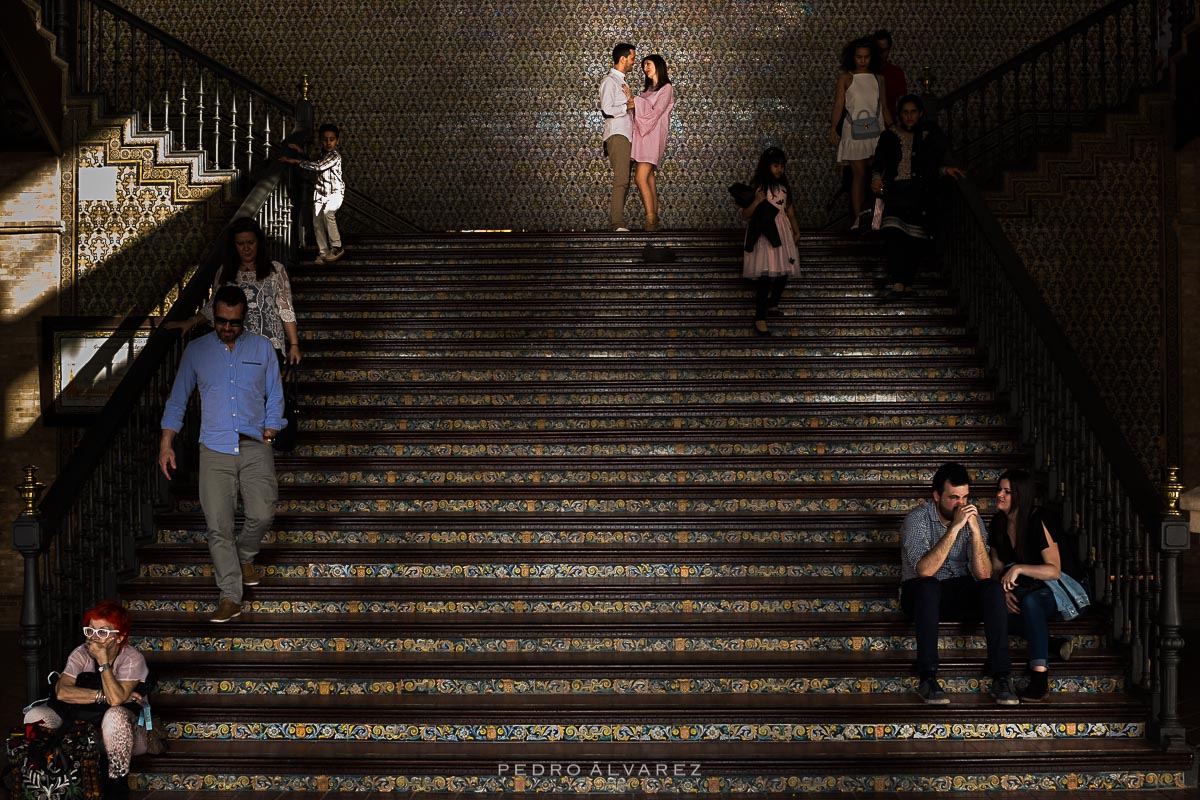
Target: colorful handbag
<point>61,763</point>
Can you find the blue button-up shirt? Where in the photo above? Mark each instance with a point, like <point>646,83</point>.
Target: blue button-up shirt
<point>922,529</point>
<point>240,390</point>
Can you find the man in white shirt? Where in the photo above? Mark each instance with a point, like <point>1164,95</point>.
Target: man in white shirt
<point>617,107</point>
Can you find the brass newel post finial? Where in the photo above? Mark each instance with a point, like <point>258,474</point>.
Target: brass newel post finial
<point>1170,490</point>
<point>304,88</point>
<point>30,490</point>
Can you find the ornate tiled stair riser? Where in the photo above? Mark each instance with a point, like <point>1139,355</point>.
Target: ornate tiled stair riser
<point>575,397</point>
<point>328,348</point>
<point>321,305</point>
<point>1087,684</point>
<point>586,505</point>
<point>598,644</point>
<point>540,571</point>
<point>546,537</point>
<point>802,420</point>
<point>583,780</point>
<point>521,606</point>
<point>657,373</point>
<point>808,447</point>
<point>636,732</point>
<point>413,474</point>
<point>734,329</point>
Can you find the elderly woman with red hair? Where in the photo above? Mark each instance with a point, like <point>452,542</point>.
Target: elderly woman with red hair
<point>100,682</point>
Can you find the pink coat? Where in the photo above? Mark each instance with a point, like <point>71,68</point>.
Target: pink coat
<point>652,117</point>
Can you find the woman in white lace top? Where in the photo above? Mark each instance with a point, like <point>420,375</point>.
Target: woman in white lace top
<point>269,309</point>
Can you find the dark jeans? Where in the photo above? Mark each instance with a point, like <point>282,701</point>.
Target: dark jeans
<point>928,601</point>
<point>1037,610</point>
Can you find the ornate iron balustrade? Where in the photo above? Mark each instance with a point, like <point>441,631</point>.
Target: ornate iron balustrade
<point>80,540</point>
<point>166,85</point>
<point>1130,538</point>
<point>1061,84</point>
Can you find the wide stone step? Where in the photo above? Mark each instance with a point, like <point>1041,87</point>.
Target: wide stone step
<point>614,500</point>
<point>183,673</point>
<point>540,633</point>
<point>550,353</point>
<point>640,470</point>
<point>557,394</point>
<point>695,415</point>
<point>388,371</point>
<point>698,279</point>
<point>541,562</point>
<point>684,444</point>
<point>1088,769</point>
<point>549,529</point>
<point>818,302</point>
<point>579,718</point>
<point>364,324</point>
<point>177,589</point>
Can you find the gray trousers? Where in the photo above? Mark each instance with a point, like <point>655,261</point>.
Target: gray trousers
<point>618,157</point>
<point>221,476</point>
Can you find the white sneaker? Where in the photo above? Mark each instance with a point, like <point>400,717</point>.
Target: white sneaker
<point>621,230</point>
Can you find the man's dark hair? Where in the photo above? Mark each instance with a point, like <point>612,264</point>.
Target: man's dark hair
<point>329,126</point>
<point>883,34</point>
<point>955,474</point>
<point>621,50</point>
<point>229,295</point>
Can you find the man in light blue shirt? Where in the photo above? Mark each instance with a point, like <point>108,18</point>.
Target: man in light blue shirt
<point>617,108</point>
<point>946,574</point>
<point>241,410</point>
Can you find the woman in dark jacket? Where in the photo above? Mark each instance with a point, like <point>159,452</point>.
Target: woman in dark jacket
<point>909,160</point>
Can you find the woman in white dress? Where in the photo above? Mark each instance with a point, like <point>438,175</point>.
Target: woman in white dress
<point>858,104</point>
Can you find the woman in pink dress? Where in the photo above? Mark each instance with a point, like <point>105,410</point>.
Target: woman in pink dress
<point>651,118</point>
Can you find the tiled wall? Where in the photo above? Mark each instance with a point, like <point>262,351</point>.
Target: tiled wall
<point>463,114</point>
<point>29,225</point>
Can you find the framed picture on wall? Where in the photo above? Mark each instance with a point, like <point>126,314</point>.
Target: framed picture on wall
<point>83,361</point>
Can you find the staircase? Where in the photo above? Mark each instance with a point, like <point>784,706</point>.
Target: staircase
<point>558,524</point>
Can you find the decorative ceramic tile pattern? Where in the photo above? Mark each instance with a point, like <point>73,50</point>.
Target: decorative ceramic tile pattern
<point>130,255</point>
<point>637,686</point>
<point>640,732</point>
<point>330,422</point>
<point>599,644</point>
<point>779,449</point>
<point>451,605</point>
<point>500,128</point>
<point>586,505</point>
<point>609,779</point>
<point>559,536</point>
<point>538,571</point>
<point>1094,243</point>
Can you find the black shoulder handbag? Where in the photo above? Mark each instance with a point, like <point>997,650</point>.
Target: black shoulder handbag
<point>285,440</point>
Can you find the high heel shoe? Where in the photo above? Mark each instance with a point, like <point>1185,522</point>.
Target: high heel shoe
<point>651,222</point>
<point>760,328</point>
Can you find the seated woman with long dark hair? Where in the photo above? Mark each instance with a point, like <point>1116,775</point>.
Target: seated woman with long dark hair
<point>1024,543</point>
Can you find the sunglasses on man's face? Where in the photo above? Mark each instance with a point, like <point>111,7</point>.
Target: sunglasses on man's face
<point>233,323</point>
<point>99,633</point>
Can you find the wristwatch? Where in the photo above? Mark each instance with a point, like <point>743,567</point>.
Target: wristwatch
<point>101,668</point>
